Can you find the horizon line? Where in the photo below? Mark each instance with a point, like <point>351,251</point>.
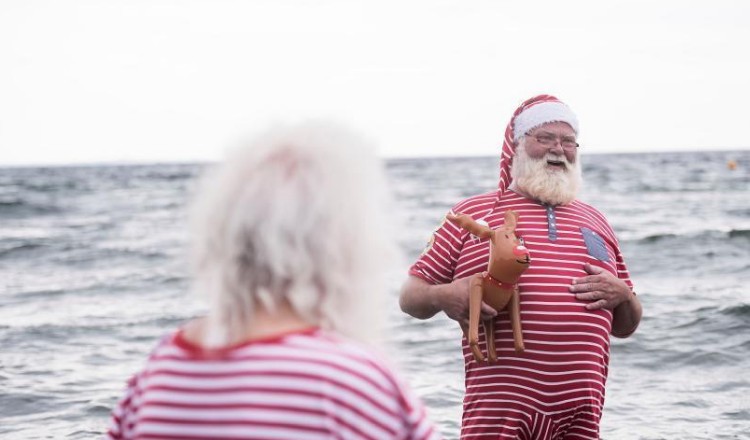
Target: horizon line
<point>155,162</point>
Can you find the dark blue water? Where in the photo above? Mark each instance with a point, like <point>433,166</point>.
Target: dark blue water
<point>92,273</point>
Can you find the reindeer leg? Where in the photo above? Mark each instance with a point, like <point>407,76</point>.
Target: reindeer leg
<point>515,320</point>
<point>489,334</point>
<point>465,330</point>
<point>475,307</point>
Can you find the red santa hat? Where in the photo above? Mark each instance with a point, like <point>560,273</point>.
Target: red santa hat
<point>532,113</point>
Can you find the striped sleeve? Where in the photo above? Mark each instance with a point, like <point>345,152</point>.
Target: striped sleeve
<point>124,416</point>
<point>418,425</point>
<point>437,263</point>
<point>121,420</point>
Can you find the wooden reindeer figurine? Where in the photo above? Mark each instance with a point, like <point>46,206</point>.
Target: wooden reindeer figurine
<point>498,285</point>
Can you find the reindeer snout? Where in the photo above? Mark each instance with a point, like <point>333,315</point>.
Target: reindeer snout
<point>522,254</point>
<point>520,250</point>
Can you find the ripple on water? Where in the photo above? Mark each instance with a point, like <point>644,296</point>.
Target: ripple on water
<point>16,403</point>
<point>743,415</point>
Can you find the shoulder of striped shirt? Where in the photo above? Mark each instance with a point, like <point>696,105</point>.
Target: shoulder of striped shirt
<point>588,208</point>
<point>599,217</point>
<point>476,206</point>
<point>347,351</point>
<point>167,340</point>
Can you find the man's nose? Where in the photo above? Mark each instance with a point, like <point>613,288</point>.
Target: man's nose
<point>557,147</point>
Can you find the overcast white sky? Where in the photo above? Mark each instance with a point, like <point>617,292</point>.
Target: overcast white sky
<point>85,81</point>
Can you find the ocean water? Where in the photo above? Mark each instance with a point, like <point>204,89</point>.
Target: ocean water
<point>93,272</point>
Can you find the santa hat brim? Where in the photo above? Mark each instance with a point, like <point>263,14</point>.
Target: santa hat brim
<point>543,113</point>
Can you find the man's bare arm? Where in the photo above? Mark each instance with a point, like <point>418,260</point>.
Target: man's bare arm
<point>626,317</point>
<point>423,300</point>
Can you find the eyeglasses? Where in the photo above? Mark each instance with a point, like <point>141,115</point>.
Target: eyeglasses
<point>550,140</point>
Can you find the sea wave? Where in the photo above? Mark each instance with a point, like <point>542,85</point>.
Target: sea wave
<point>19,249</point>
<point>739,233</point>
<point>692,236</point>
<point>25,403</point>
<point>18,207</point>
<point>740,310</point>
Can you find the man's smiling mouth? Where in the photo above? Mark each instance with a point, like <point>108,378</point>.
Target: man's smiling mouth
<point>556,163</point>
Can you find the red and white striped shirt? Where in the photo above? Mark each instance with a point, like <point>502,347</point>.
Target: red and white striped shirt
<point>301,385</point>
<point>557,383</point>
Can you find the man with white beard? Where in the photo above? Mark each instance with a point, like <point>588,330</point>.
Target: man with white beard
<point>574,295</point>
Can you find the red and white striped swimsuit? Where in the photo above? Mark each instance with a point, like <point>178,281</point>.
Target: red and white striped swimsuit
<point>555,388</point>
<point>303,385</point>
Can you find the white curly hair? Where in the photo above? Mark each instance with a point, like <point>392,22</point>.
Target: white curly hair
<point>296,215</point>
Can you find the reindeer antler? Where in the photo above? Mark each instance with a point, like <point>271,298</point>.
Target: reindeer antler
<point>466,222</point>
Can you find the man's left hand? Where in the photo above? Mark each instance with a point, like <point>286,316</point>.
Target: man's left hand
<point>604,290</point>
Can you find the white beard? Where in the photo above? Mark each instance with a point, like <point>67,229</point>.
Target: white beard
<point>534,179</point>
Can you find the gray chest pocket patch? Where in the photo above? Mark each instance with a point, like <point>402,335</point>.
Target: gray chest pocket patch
<point>595,244</point>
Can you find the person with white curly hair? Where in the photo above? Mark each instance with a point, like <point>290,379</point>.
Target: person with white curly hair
<point>289,245</point>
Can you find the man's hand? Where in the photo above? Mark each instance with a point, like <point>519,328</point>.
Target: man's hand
<point>423,300</point>
<point>454,301</point>
<point>604,290</point>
